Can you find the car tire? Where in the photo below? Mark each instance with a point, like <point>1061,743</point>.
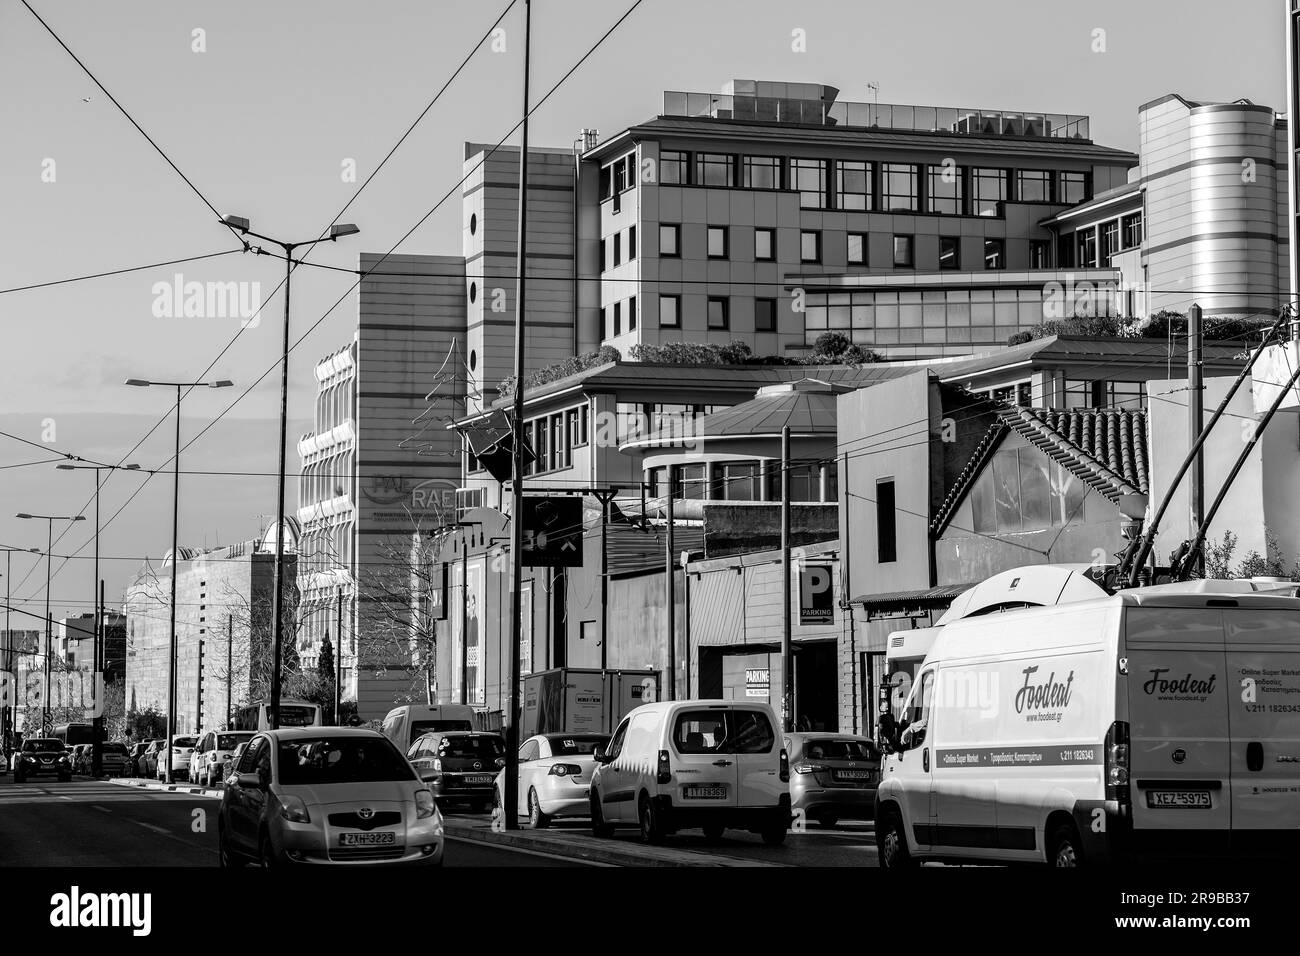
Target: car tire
<point>1063,847</point>
<point>225,859</point>
<point>537,819</point>
<point>599,828</point>
<point>774,835</point>
<point>266,853</point>
<point>891,843</point>
<point>651,830</point>
<point>827,820</point>
<point>713,832</point>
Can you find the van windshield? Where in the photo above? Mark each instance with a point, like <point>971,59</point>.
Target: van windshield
<point>723,732</point>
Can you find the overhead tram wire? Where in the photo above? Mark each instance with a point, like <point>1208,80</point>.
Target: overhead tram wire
<point>118,272</point>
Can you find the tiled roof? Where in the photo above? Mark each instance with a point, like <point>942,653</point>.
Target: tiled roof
<point>1106,448</point>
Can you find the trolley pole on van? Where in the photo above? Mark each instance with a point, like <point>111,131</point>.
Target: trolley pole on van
<point>787,656</point>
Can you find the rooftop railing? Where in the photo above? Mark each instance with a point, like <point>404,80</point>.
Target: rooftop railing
<point>885,116</point>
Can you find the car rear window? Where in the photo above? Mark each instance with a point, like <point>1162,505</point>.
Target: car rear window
<point>323,760</point>
<point>183,741</point>
<point>484,748</point>
<point>732,731</point>
<point>112,748</point>
<point>576,746</point>
<point>839,750</point>
<point>231,741</point>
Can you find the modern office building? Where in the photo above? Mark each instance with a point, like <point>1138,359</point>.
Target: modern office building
<point>76,643</point>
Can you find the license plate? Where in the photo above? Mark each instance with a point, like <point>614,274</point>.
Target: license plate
<point>698,791</point>
<point>853,774</point>
<point>478,781</point>
<point>367,839</point>
<point>1194,799</point>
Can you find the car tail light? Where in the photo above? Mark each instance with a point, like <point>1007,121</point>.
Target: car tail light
<point>294,810</point>
<point>424,805</point>
<point>807,767</point>
<point>500,762</point>
<point>437,764</point>
<point>785,766</point>
<point>565,769</point>
<point>665,774</point>
<point>1117,762</point>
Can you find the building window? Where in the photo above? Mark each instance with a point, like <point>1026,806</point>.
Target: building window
<point>715,169</point>
<point>606,322</point>
<point>631,314</point>
<point>898,187</point>
<point>857,249</point>
<point>670,239</point>
<point>717,242</point>
<point>718,318</point>
<point>810,246</point>
<point>604,254</point>
<point>764,245</point>
<point>1109,241</point>
<point>674,167</point>
<point>886,523</point>
<point>618,248</point>
<point>1033,185</point>
<point>995,253</point>
<point>903,251</point>
<point>988,188</point>
<point>944,190</point>
<point>765,315</point>
<point>1133,231</point>
<point>852,185</point>
<point>631,243</point>
<point>575,422</point>
<point>618,318</point>
<point>739,481</point>
<point>761,172</point>
<point>808,176</point>
<point>690,481</point>
<point>670,311</point>
<point>1073,188</point>
<point>949,252</point>
<point>1086,248</point>
<point>1039,254</point>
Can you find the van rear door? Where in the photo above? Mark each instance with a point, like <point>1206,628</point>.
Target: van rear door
<point>704,765</point>
<point>1178,726</point>
<point>757,753</point>
<point>1263,651</point>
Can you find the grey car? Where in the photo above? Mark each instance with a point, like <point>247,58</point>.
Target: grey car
<point>327,795</point>
<point>833,776</point>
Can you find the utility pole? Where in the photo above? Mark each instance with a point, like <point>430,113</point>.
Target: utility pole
<point>100,653</point>
<point>511,796</point>
<point>230,659</point>
<point>1195,422</point>
<point>338,665</point>
<point>670,595</point>
<point>787,656</point>
<point>464,618</point>
<point>198,690</point>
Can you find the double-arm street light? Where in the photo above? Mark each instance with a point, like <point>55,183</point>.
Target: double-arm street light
<point>176,512</point>
<point>49,621</point>
<point>96,762</point>
<point>337,231</point>
<point>7,725</point>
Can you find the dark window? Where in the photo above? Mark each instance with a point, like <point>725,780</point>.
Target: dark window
<point>886,523</point>
<point>1109,241</point>
<point>670,311</point>
<point>949,252</point>
<point>1034,185</point>
<point>944,190</point>
<point>674,167</point>
<point>618,248</point>
<point>995,254</point>
<point>1039,254</point>
<point>715,169</point>
<point>670,237</point>
<point>765,315</point>
<point>631,314</point>
<point>903,251</point>
<point>718,318</point>
<point>481,746</point>
<point>810,246</point>
<point>1073,187</point>
<point>631,243</point>
<point>852,185</point>
<point>762,172</point>
<point>618,318</point>
<point>808,176</point>
<point>604,254</point>
<point>606,181</point>
<point>898,187</point>
<point>988,188</point>
<point>731,731</point>
<point>1086,248</point>
<point>1133,231</point>
<point>857,249</point>
<point>764,245</point>
<point>717,242</point>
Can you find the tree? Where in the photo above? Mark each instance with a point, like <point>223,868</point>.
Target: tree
<point>325,660</point>
<point>1219,560</point>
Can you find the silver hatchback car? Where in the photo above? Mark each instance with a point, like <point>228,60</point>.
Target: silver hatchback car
<point>324,795</point>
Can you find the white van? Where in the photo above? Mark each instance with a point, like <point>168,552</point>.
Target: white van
<point>405,725</point>
<point>1155,720</point>
<point>676,765</point>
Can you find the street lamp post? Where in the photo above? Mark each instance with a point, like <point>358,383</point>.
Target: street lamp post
<point>337,231</point>
<point>176,504</point>
<point>49,621</point>
<point>9,715</point>
<point>96,763</point>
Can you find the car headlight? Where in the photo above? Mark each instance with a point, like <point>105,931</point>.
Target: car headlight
<point>63,759</point>
<point>294,810</point>
<point>424,805</point>
<point>29,759</point>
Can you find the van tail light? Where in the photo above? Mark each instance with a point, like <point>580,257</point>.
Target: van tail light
<point>785,766</point>
<point>665,774</point>
<point>1117,762</point>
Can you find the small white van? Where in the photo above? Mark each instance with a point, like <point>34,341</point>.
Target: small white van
<point>676,765</point>
<point>407,724</point>
<point>1155,720</point>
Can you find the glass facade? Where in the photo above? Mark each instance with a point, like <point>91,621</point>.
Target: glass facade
<point>898,187</point>
<point>761,172</point>
<point>944,184</point>
<point>988,191</point>
<point>715,169</point>
<point>852,185</point>
<point>808,177</point>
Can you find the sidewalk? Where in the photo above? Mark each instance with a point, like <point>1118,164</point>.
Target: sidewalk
<point>581,846</point>
<point>144,784</point>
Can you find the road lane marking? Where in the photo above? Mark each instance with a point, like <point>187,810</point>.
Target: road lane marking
<point>514,849</point>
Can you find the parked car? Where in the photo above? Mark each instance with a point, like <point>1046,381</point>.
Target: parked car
<point>43,756</point>
<point>340,795</point>
<point>235,757</point>
<point>135,759</point>
<point>182,747</point>
<point>211,757</point>
<point>459,766</point>
<point>833,776</point>
<point>675,765</point>
<point>150,756</point>
<point>555,773</point>
<point>113,758</point>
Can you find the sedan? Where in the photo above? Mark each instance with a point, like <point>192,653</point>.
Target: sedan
<point>459,765</point>
<point>149,759</point>
<point>833,776</point>
<point>325,795</point>
<point>113,759</point>
<point>554,776</point>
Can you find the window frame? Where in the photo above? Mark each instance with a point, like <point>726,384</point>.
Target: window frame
<point>676,299</point>
<point>910,260</point>
<point>725,302</point>
<point>707,161</point>
<point>708,242</point>
<point>886,521</point>
<point>934,173</point>
<point>867,193</point>
<point>681,160</point>
<point>864,239</point>
<point>773,163</point>
<point>675,230</point>
<point>1000,244</point>
<point>887,170</point>
<point>771,248</point>
<point>956,252</point>
<point>800,164</point>
<point>816,235</point>
<point>765,302</point>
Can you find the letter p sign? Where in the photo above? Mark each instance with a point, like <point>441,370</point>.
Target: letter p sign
<point>816,595</point>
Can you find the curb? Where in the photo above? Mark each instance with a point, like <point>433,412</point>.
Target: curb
<point>169,788</point>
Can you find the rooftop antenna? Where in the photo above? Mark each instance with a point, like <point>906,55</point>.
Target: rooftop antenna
<point>874,88</point>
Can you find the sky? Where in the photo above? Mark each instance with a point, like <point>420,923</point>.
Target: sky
<point>264,107</point>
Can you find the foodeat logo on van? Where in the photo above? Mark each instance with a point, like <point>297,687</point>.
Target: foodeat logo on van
<point>1043,699</point>
<point>1185,687</point>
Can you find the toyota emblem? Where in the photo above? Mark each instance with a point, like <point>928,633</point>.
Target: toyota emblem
<point>478,765</point>
<point>365,813</point>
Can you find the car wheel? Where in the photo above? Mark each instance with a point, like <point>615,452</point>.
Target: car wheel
<point>536,818</point>
<point>225,859</point>
<point>599,828</point>
<point>651,830</point>
<point>1063,847</point>
<point>827,820</point>
<point>891,842</point>
<point>266,853</point>
<point>774,835</point>
<point>713,832</point>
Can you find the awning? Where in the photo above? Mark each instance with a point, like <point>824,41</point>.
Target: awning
<point>902,603</point>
